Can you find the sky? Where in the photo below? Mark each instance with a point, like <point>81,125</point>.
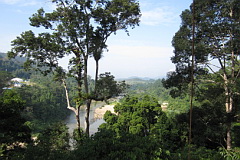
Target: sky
<point>145,53</point>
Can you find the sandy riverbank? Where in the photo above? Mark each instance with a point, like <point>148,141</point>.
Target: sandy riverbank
<point>99,112</point>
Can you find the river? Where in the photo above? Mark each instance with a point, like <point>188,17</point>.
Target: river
<point>94,122</point>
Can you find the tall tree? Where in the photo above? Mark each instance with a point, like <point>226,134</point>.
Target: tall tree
<point>80,28</point>
<point>217,44</point>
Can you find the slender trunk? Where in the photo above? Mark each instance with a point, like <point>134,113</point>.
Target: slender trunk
<point>229,105</point>
<point>229,137</point>
<point>85,74</point>
<point>229,92</point>
<point>229,100</point>
<point>96,75</point>
<point>192,82</point>
<point>79,104</point>
<point>88,101</point>
<point>229,110</point>
<point>88,104</point>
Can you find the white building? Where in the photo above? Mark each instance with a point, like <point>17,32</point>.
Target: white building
<point>17,82</point>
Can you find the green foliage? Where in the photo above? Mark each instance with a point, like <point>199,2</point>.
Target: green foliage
<point>107,87</point>
<point>154,88</point>
<point>208,129</point>
<point>15,67</point>
<point>139,129</point>
<point>42,51</point>
<point>78,137</point>
<point>143,118</point>
<point>178,105</point>
<point>104,145</point>
<point>215,38</point>
<point>5,77</point>
<point>236,136</point>
<point>233,154</point>
<point>197,153</point>
<point>45,101</point>
<point>14,132</point>
<point>137,115</point>
<point>10,69</point>
<point>77,27</point>
<point>51,143</point>
<point>169,136</point>
<point>212,28</point>
<point>8,65</point>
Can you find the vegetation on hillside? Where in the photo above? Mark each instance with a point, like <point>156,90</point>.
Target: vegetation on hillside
<point>32,116</point>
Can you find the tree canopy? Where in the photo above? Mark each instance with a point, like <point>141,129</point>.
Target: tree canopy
<point>78,28</point>
<point>216,42</point>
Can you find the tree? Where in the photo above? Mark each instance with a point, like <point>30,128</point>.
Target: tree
<point>217,40</point>
<point>106,145</point>
<point>80,28</point>
<point>51,143</point>
<point>142,119</point>
<point>136,115</point>
<point>107,87</point>
<point>14,133</point>
<point>127,134</point>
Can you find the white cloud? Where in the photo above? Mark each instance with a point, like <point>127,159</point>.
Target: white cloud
<point>159,16</point>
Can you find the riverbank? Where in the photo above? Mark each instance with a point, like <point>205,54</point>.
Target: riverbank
<point>99,112</point>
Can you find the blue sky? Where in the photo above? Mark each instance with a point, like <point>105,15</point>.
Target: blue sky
<point>145,53</point>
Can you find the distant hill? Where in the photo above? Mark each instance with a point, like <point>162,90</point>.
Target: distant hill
<point>3,56</point>
<point>141,78</point>
<point>136,80</point>
<point>15,66</point>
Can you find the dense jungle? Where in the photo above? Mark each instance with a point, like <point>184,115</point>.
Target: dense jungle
<point>191,113</point>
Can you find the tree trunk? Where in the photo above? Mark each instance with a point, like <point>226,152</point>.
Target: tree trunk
<point>229,137</point>
<point>88,105</point>
<point>78,122</point>
<point>85,74</point>
<point>229,110</point>
<point>229,100</point>
<point>76,111</point>
<point>96,75</point>
<point>88,101</point>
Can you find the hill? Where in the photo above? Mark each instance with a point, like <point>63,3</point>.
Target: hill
<point>137,80</point>
<point>14,66</point>
<point>20,60</point>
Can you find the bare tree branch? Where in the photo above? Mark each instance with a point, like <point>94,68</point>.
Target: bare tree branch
<point>67,97</point>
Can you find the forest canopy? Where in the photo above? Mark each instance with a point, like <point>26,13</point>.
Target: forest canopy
<point>192,113</point>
